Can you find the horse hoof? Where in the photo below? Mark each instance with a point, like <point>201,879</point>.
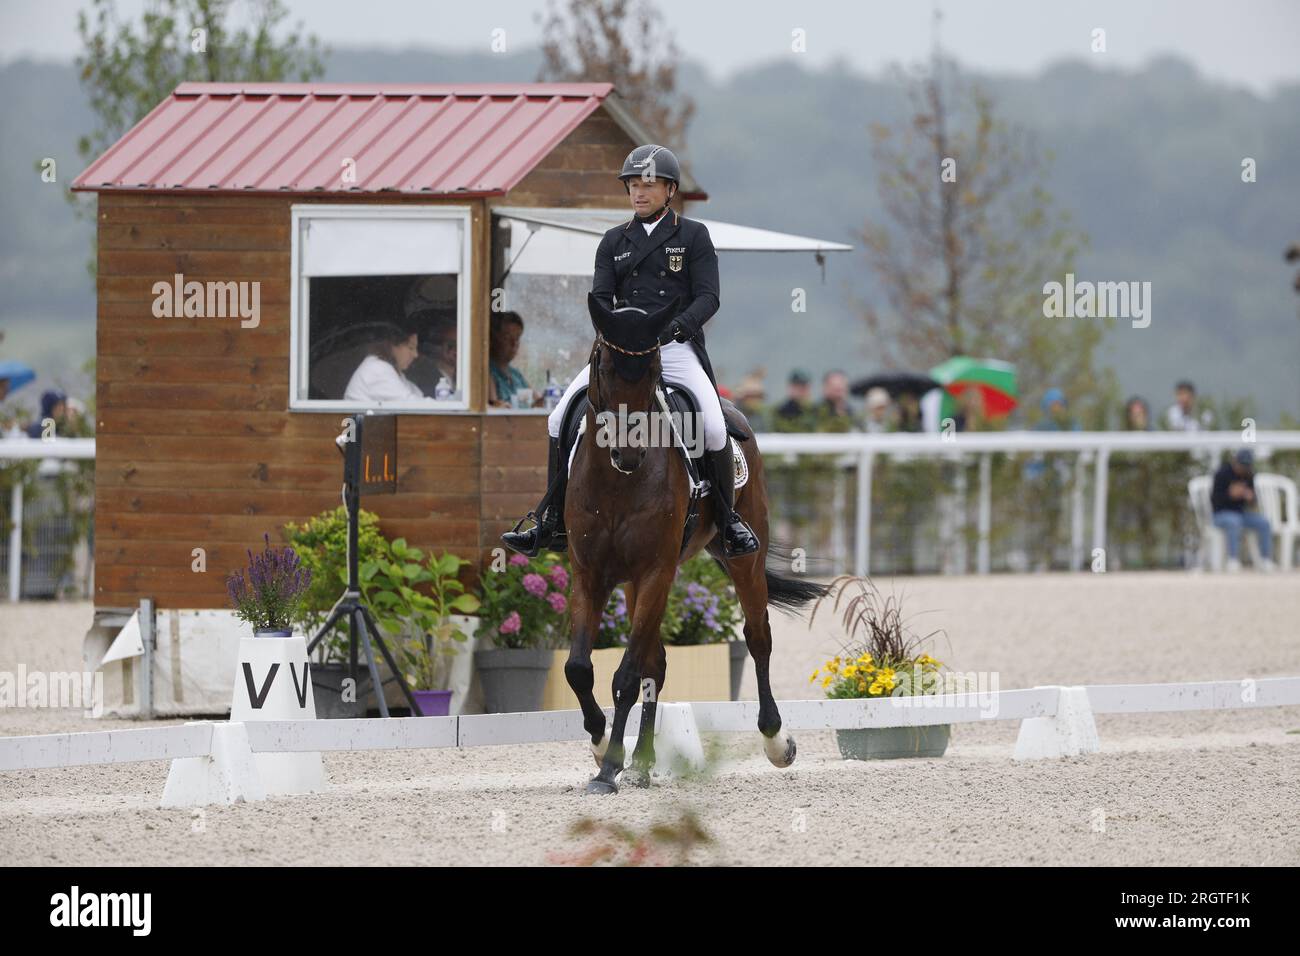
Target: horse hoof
<point>598,750</point>
<point>637,777</point>
<point>780,749</point>
<point>596,785</point>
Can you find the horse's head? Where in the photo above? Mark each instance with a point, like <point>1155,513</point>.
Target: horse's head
<point>625,367</point>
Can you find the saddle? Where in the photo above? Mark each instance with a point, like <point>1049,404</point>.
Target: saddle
<point>681,401</point>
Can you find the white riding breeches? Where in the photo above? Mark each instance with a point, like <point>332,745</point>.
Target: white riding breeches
<point>680,367</point>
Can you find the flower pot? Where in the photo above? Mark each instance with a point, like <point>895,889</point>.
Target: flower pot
<point>433,703</point>
<point>889,743</point>
<point>272,632</point>
<point>513,678</point>
<point>327,689</point>
<point>739,651</point>
<point>695,672</point>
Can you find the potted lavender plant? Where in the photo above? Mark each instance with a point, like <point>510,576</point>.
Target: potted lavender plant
<point>270,597</point>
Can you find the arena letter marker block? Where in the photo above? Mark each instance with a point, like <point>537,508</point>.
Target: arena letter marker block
<point>1068,734</point>
<point>273,682</point>
<point>227,775</point>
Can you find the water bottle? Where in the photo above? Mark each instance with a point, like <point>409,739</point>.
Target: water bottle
<point>552,394</point>
<point>443,390</point>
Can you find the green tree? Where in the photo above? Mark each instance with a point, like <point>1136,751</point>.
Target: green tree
<point>970,237</point>
<point>589,44</point>
<point>127,69</point>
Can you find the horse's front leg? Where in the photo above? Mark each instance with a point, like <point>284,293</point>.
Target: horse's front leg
<point>640,676</point>
<point>586,603</point>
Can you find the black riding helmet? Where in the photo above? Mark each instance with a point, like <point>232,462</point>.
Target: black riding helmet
<point>652,162</point>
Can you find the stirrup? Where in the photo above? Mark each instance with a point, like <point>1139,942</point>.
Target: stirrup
<point>750,543</point>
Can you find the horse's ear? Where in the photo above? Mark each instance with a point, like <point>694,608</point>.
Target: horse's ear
<point>600,313</point>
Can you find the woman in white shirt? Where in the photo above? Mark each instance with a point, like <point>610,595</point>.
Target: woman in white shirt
<point>379,377</point>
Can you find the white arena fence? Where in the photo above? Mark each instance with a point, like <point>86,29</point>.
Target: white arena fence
<point>1056,721</point>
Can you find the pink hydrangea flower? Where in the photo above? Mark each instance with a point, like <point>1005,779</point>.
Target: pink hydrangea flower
<point>518,559</point>
<point>511,624</point>
<point>535,584</point>
<point>560,577</point>
<point>558,602</point>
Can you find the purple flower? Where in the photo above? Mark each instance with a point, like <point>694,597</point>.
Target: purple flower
<point>559,577</point>
<point>557,601</point>
<point>535,584</point>
<point>518,559</point>
<point>511,624</point>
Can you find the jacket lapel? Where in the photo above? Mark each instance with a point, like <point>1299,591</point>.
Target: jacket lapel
<point>664,230</point>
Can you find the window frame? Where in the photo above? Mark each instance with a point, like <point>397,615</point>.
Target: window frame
<point>300,304</point>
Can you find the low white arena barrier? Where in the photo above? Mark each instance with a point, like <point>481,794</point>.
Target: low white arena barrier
<point>1055,721</point>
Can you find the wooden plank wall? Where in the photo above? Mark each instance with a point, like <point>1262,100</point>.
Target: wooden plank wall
<point>196,446</point>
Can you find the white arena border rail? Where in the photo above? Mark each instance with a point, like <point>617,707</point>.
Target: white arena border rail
<point>1056,721</point>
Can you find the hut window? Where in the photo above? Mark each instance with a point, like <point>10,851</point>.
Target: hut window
<point>380,308</point>
<point>542,277</point>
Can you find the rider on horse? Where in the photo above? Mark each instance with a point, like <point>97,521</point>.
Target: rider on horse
<point>645,262</point>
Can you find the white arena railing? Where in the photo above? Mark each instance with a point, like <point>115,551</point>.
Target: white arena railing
<point>53,453</point>
<point>1056,721</point>
<point>859,450</point>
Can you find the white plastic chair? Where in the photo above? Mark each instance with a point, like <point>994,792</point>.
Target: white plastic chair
<point>1277,498</point>
<point>1214,540</point>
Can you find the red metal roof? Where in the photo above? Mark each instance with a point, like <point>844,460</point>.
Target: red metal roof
<point>425,139</point>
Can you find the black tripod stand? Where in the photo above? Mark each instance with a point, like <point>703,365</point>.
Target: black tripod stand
<point>350,604</point>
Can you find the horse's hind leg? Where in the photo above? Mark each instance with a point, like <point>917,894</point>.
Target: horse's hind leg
<point>750,578</point>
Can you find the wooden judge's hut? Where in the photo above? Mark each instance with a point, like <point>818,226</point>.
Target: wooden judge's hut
<point>254,242</point>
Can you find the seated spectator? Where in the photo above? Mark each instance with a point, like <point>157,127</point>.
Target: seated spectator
<point>506,381</point>
<point>1183,415</point>
<point>54,405</point>
<point>1231,499</point>
<point>1137,415</point>
<point>878,409</point>
<point>381,375</point>
<point>798,399</point>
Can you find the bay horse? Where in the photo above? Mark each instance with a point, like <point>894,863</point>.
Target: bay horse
<point>625,512</point>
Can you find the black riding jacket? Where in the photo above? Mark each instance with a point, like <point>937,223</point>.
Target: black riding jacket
<point>677,258</point>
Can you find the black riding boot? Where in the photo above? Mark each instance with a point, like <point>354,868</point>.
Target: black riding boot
<point>548,533</point>
<point>737,537</point>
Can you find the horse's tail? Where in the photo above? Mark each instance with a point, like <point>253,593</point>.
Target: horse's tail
<point>791,594</point>
<point>787,593</point>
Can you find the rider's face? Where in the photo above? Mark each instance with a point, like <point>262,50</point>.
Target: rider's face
<point>647,196</point>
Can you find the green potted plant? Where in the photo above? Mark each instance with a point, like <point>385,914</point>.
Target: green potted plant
<point>880,658</point>
<point>524,614</point>
<point>703,609</point>
<point>270,596</point>
<point>322,545</point>
<point>423,623</point>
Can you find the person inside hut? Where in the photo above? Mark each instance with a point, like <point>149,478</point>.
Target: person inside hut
<point>507,387</point>
<point>438,351</point>
<point>673,258</point>
<point>381,375</point>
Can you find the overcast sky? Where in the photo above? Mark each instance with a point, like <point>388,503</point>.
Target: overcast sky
<point>1252,43</point>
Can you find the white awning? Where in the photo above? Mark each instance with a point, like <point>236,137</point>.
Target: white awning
<point>563,241</point>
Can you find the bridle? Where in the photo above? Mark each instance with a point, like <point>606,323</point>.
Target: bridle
<point>593,389</point>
